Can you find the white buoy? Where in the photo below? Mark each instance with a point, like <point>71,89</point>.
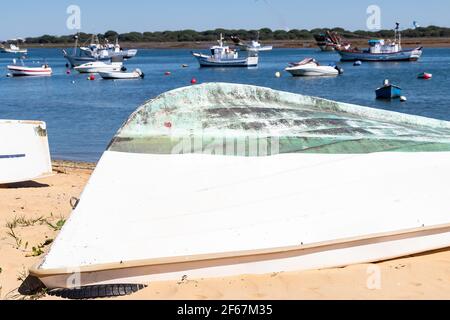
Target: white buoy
<point>9,75</point>
<point>403,99</point>
<point>278,74</point>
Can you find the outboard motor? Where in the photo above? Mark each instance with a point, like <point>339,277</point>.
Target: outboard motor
<point>339,69</point>
<point>124,69</point>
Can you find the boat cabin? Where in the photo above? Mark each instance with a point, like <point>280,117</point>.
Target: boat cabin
<point>378,46</point>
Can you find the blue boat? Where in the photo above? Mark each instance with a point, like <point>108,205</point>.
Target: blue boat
<point>380,51</point>
<point>222,56</point>
<point>389,91</point>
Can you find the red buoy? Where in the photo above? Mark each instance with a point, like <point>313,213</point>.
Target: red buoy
<point>168,73</point>
<point>92,77</point>
<point>168,125</point>
<point>194,81</point>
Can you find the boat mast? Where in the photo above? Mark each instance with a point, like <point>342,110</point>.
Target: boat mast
<point>221,40</point>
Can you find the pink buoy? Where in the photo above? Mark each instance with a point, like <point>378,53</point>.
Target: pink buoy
<point>194,81</point>
<point>168,125</point>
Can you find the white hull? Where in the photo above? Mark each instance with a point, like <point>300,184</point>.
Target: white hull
<point>121,75</point>
<point>164,215</point>
<point>312,71</point>
<point>97,67</point>
<point>24,151</point>
<point>313,258</point>
<point>18,71</point>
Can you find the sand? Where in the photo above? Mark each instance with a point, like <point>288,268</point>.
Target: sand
<point>35,208</point>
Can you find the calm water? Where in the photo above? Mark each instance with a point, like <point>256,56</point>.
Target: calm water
<point>82,117</point>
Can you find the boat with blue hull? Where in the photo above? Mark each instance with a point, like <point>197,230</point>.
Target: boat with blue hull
<point>224,57</point>
<point>389,91</point>
<point>382,51</point>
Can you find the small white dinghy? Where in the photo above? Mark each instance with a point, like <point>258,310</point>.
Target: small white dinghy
<point>26,71</point>
<point>100,66</point>
<point>24,151</point>
<point>311,68</point>
<point>136,74</point>
<point>221,180</point>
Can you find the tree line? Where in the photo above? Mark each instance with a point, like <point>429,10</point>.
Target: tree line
<point>265,34</point>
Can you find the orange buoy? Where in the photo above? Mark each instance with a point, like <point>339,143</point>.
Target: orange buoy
<point>194,81</point>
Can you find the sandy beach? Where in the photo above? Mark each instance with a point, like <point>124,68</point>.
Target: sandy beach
<point>32,213</point>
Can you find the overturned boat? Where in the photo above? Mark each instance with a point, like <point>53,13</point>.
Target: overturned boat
<point>224,179</point>
<point>24,151</point>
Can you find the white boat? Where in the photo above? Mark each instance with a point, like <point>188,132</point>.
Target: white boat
<point>100,66</point>
<point>255,45</point>
<point>223,56</point>
<point>24,151</point>
<point>310,67</point>
<point>13,49</point>
<point>221,180</point>
<point>113,75</point>
<point>27,71</point>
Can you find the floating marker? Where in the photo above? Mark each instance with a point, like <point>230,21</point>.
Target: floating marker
<point>168,73</point>
<point>403,99</point>
<point>278,74</point>
<point>194,81</point>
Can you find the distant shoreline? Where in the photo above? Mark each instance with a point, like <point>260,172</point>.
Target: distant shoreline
<point>407,43</point>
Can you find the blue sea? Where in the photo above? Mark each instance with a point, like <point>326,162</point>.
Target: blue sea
<point>82,116</point>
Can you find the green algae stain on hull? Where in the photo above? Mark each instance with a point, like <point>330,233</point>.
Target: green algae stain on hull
<point>212,117</point>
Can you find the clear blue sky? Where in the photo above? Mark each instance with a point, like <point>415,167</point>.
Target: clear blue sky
<point>49,16</point>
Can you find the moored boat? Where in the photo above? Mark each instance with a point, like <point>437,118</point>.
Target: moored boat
<point>382,51</point>
<point>310,67</point>
<point>388,91</point>
<point>221,180</point>
<point>254,45</point>
<point>100,66</point>
<point>223,56</point>
<point>14,49</point>
<point>27,71</point>
<point>24,151</point>
<point>114,75</point>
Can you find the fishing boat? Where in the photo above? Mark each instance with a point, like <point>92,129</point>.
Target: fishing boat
<point>330,41</point>
<point>114,75</point>
<point>310,67</point>
<point>24,151</point>
<point>100,66</point>
<point>388,91</point>
<point>381,50</point>
<point>27,71</point>
<point>254,45</point>
<point>107,49</point>
<point>13,49</point>
<point>218,180</point>
<point>223,56</point>
<point>79,57</point>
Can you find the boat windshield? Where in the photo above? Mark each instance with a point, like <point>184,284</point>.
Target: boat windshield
<point>237,120</point>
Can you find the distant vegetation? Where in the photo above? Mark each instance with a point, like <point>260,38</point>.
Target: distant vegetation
<point>265,35</point>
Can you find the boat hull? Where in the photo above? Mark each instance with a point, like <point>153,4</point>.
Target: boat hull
<point>406,55</point>
<point>343,253</point>
<point>98,69</point>
<point>208,62</point>
<point>342,184</point>
<point>18,71</point>
<point>76,61</point>
<point>389,92</point>
<point>313,71</point>
<point>120,75</point>
<point>25,154</point>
